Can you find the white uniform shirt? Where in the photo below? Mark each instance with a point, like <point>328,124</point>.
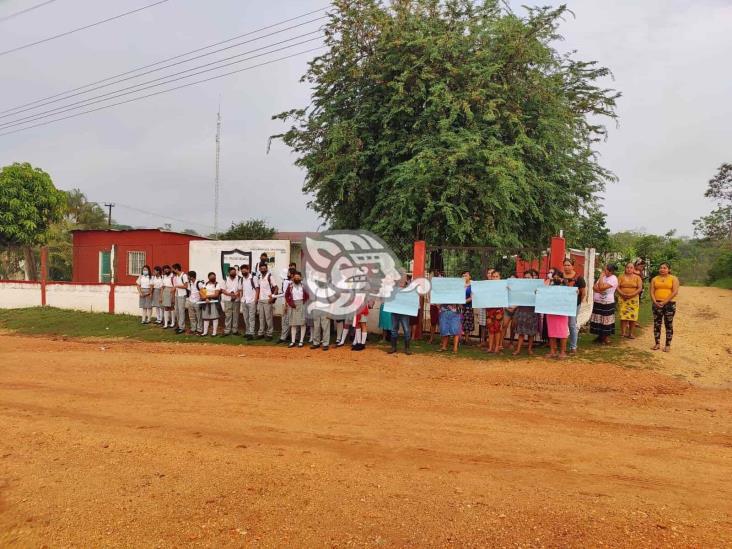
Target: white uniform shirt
<point>195,296</point>
<point>249,287</point>
<point>266,284</point>
<point>157,282</point>
<point>181,279</point>
<point>145,282</point>
<point>231,285</point>
<point>297,292</point>
<point>211,287</point>
<point>168,281</point>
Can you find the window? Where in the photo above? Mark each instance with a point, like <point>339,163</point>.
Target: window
<point>135,262</point>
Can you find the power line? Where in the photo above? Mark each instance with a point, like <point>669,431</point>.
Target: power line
<point>164,91</point>
<point>26,10</point>
<point>187,222</point>
<point>142,86</point>
<point>170,59</point>
<point>155,70</point>
<point>72,31</point>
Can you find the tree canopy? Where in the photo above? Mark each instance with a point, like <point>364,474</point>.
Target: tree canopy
<point>29,205</point>
<point>718,224</point>
<point>251,229</point>
<point>452,121</point>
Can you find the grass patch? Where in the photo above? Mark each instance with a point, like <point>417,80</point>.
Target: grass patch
<point>724,283</point>
<point>48,321</point>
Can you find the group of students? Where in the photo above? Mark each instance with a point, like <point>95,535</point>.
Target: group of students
<point>521,324</point>
<point>167,295</point>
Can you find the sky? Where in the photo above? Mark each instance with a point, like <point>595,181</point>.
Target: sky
<point>155,158</point>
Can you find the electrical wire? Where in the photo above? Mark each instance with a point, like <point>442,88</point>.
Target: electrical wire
<point>249,33</point>
<point>187,222</point>
<point>142,86</point>
<point>26,10</point>
<point>164,91</point>
<point>164,67</point>
<point>72,31</point>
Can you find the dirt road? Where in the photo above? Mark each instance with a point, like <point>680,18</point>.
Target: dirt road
<point>702,347</point>
<point>151,445</point>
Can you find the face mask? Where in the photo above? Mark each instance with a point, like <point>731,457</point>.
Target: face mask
<point>146,272</point>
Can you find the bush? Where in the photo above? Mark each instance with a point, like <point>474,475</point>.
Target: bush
<point>722,268</point>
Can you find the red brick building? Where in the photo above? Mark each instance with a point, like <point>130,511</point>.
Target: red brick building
<point>133,248</point>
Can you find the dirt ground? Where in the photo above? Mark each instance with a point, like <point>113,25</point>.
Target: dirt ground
<point>153,445</point>
<point>702,346</point>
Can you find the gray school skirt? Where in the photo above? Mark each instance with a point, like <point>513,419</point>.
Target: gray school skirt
<point>168,298</point>
<point>146,300</point>
<point>156,297</point>
<point>297,315</point>
<point>210,310</point>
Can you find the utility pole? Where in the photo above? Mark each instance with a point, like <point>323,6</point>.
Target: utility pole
<point>109,206</point>
<point>216,184</point>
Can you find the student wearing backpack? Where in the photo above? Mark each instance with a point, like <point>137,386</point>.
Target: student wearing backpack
<point>249,291</point>
<point>265,302</point>
<point>180,283</point>
<point>230,293</point>
<point>193,303</point>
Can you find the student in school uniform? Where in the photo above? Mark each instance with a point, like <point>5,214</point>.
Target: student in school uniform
<point>157,296</point>
<point>168,298</point>
<point>145,289</point>
<point>296,297</point>
<point>287,275</point>
<point>265,302</point>
<point>180,283</point>
<point>210,304</point>
<point>361,328</point>
<point>193,303</point>
<point>230,292</point>
<point>249,291</point>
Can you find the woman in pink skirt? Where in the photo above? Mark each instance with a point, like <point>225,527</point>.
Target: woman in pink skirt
<point>557,327</point>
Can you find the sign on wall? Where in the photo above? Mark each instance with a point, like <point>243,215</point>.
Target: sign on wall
<point>205,256</point>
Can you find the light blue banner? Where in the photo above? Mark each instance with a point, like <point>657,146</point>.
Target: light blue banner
<point>522,291</point>
<point>489,293</point>
<point>403,303</point>
<point>556,300</point>
<point>447,291</point>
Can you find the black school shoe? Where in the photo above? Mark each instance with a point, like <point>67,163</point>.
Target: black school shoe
<point>325,347</point>
<point>314,346</point>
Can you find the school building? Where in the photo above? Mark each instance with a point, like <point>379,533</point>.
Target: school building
<point>97,254</point>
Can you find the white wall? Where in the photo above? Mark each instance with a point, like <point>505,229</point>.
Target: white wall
<point>79,297</point>
<point>15,295</point>
<point>204,256</point>
<point>126,300</point>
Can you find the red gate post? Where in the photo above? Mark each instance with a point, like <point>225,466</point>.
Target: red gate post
<point>44,273</point>
<point>420,255</point>
<point>558,252</point>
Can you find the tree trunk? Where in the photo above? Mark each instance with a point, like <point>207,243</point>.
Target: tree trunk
<point>29,263</point>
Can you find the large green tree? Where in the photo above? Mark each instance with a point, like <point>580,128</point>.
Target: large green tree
<point>717,226</point>
<point>80,213</point>
<point>29,205</point>
<point>453,121</point>
<point>251,229</point>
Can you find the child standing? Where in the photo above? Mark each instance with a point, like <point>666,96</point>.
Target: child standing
<point>557,327</point>
<point>210,294</point>
<point>494,323</point>
<point>157,296</point>
<point>296,296</point>
<point>168,297</point>
<point>145,290</point>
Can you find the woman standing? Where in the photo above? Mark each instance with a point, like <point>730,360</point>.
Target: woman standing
<point>210,309</point>
<point>664,289</point>
<point>630,286</point>
<point>571,278</point>
<point>145,290</point>
<point>602,321</point>
<point>557,326</point>
<point>526,322</point>
<point>468,319</point>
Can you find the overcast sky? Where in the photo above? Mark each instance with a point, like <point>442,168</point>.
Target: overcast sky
<point>670,59</point>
